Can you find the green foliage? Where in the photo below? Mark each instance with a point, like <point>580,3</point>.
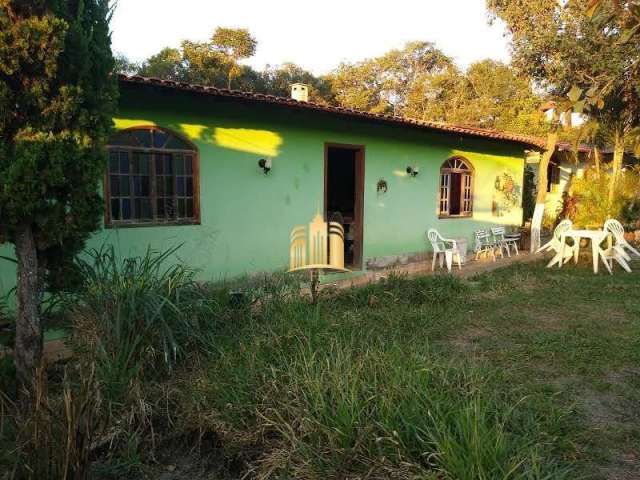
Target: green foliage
<point>418,81</point>
<point>277,80</point>
<point>166,64</point>
<point>489,94</point>
<point>137,315</point>
<point>400,289</point>
<point>431,377</point>
<point>349,386</point>
<point>385,84</point>
<point>236,43</point>
<point>57,98</point>
<point>123,65</point>
<point>593,207</point>
<point>215,62</point>
<point>421,82</point>
<point>591,69</point>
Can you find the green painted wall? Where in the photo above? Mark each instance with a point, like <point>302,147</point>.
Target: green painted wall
<point>246,216</point>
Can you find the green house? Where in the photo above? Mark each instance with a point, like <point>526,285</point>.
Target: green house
<point>228,174</point>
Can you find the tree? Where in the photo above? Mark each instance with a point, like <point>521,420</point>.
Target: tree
<point>534,29</point>
<point>277,80</point>
<point>386,84</point>
<point>614,92</point>
<point>57,98</point>
<point>125,66</point>
<point>419,81</point>
<point>235,44</point>
<point>214,63</point>
<point>569,56</point>
<point>489,94</point>
<point>166,64</point>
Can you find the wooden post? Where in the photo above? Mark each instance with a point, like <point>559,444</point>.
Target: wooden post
<point>315,281</point>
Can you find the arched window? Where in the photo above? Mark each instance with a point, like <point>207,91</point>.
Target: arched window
<point>456,188</point>
<point>152,178</point>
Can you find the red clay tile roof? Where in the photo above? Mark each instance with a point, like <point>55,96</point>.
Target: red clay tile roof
<point>289,102</point>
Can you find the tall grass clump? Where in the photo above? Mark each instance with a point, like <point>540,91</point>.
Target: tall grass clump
<point>388,410</point>
<point>51,435</point>
<point>352,388</point>
<point>136,314</point>
<point>432,291</point>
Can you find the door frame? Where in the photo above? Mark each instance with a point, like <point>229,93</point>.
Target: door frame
<point>358,206</point>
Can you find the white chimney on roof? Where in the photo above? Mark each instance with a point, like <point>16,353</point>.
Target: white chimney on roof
<point>300,92</point>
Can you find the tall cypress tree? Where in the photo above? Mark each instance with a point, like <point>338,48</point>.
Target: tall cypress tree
<point>57,99</point>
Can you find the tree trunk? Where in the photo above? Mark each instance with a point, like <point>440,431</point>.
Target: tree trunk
<point>541,193</point>
<point>28,346</point>
<point>596,158</point>
<point>616,165</point>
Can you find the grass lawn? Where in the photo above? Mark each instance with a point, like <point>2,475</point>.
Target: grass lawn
<point>523,372</point>
<point>520,373</point>
<point>570,338</point>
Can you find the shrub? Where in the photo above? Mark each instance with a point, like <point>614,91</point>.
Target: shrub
<point>591,196</point>
<point>137,313</point>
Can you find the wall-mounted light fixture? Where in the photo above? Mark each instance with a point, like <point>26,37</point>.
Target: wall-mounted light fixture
<point>382,186</point>
<point>265,164</point>
<point>413,171</point>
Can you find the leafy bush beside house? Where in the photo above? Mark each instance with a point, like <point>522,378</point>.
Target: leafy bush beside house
<point>588,204</point>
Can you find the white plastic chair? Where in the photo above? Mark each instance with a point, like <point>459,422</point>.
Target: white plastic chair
<point>617,251</point>
<point>555,244</point>
<point>485,245</point>
<point>445,248</point>
<point>502,242</point>
<point>616,228</point>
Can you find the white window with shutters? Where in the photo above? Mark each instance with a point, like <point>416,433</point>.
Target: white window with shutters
<point>444,193</point>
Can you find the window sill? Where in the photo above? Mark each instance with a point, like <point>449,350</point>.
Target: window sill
<point>466,215</point>
<point>151,224</point>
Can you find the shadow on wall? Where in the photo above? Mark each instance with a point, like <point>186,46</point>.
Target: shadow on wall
<point>256,141</point>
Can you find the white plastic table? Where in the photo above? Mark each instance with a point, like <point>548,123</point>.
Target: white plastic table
<point>461,243</point>
<point>596,237</point>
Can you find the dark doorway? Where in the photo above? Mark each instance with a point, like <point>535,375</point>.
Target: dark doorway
<point>344,175</point>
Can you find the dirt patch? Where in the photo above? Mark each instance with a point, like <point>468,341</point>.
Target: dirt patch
<point>603,409</point>
<point>624,376</point>
<point>466,340</point>
<point>614,416</point>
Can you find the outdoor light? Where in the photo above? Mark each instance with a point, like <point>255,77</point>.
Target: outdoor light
<point>265,164</point>
<point>382,186</point>
<point>413,171</point>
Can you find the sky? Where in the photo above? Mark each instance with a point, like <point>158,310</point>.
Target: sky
<point>314,35</point>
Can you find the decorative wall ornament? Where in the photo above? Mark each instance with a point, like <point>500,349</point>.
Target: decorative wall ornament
<point>265,164</point>
<point>507,195</point>
<point>413,171</point>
